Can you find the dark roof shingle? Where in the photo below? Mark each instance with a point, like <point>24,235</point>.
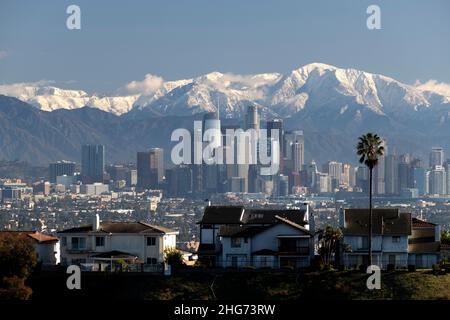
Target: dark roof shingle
<point>384,221</point>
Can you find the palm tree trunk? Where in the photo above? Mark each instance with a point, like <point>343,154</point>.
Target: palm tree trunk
<point>370,216</point>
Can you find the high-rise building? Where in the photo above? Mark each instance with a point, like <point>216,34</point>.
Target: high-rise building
<point>60,168</point>
<point>436,157</point>
<point>251,120</point>
<point>150,168</point>
<point>438,181</point>
<point>298,154</point>
<point>276,124</point>
<point>391,174</point>
<point>211,129</point>
<point>335,170</point>
<point>131,177</point>
<point>362,178</point>
<point>283,185</point>
<point>379,174</point>
<point>179,181</point>
<point>92,163</point>
<point>290,137</point>
<point>117,172</point>
<point>419,180</point>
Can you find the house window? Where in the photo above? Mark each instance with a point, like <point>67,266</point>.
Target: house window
<point>245,240</point>
<point>364,243</point>
<point>64,241</point>
<point>152,261</point>
<point>396,239</point>
<point>235,242</point>
<point>99,241</point>
<point>151,241</point>
<point>78,243</point>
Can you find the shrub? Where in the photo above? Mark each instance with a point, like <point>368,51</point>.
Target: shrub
<point>390,267</point>
<point>173,257</point>
<point>411,268</point>
<point>436,268</point>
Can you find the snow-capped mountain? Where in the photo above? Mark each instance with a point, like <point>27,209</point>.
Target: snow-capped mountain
<point>49,98</point>
<point>314,87</point>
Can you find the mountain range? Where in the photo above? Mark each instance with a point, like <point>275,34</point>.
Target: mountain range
<point>331,105</point>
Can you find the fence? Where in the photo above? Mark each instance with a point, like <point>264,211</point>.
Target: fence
<point>116,267</point>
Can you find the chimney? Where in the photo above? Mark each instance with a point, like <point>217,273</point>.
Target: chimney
<point>96,223</point>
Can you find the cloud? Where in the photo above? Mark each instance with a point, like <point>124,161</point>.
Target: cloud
<point>148,86</point>
<point>3,54</point>
<point>434,86</point>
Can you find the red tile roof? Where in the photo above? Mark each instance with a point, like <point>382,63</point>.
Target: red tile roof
<point>36,236</point>
<point>417,223</point>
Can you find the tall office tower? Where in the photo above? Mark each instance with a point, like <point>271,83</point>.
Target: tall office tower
<point>323,182</point>
<point>438,181</point>
<point>335,170</point>
<point>179,181</point>
<point>379,173</point>
<point>347,175</point>
<point>211,178</point>
<point>391,174</point>
<point>419,180</point>
<point>150,168</point>
<point>253,174</point>
<point>436,157</point>
<point>298,153</point>
<point>352,177</point>
<point>92,163</point>
<point>405,180</point>
<point>60,168</point>
<point>276,124</point>
<point>211,122</point>
<point>311,173</point>
<point>290,137</point>
<point>283,185</point>
<point>132,177</point>
<point>362,178</point>
<point>427,181</point>
<point>117,172</point>
<point>251,120</point>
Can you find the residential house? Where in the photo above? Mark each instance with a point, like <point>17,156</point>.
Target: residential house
<point>424,244</point>
<point>390,232</point>
<point>101,244</point>
<point>233,236</point>
<point>46,246</point>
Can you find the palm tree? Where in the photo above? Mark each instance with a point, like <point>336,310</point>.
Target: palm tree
<point>369,148</point>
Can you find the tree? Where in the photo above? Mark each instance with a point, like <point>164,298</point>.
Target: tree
<point>17,260</point>
<point>445,236</point>
<point>369,149</point>
<point>330,243</point>
<point>173,257</point>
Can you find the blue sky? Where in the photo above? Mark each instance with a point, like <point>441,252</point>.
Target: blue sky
<point>121,41</point>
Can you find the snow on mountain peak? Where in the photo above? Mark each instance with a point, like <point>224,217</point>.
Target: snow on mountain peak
<point>315,85</point>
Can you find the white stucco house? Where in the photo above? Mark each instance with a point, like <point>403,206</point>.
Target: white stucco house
<point>233,236</point>
<point>391,230</point>
<point>101,244</point>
